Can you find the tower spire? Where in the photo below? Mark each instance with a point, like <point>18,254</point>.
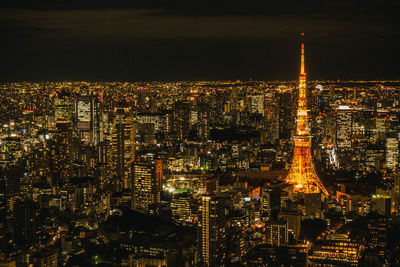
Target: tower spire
<point>302,66</point>
<point>302,117</point>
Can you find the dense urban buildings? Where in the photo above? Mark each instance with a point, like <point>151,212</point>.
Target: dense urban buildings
<point>207,173</point>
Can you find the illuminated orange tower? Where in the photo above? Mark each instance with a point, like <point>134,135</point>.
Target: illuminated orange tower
<point>302,173</point>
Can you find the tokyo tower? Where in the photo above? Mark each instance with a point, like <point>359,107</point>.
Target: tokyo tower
<point>302,174</point>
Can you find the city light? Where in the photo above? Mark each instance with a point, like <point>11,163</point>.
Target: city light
<point>175,133</point>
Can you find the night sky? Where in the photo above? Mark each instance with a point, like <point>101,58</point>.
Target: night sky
<point>197,40</point>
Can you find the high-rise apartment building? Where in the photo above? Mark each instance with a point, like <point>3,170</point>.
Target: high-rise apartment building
<point>213,232</point>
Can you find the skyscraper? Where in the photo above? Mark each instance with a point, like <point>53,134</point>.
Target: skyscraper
<point>213,235</point>
<point>169,121</point>
<point>146,183</point>
<point>344,124</point>
<point>88,118</point>
<point>203,121</point>
<point>25,224</point>
<point>122,147</point>
<point>285,114</point>
<point>302,174</point>
<point>63,106</point>
<point>271,117</point>
<point>61,153</point>
<point>181,119</point>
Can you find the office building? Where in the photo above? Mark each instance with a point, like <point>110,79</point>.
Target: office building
<point>146,184</point>
<point>122,148</point>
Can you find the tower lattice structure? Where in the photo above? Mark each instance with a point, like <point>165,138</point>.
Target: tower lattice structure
<point>302,174</point>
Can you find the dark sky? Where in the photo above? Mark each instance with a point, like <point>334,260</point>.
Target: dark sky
<point>197,40</point>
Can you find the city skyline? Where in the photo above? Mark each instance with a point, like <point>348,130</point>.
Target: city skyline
<point>199,173</point>
<point>173,133</point>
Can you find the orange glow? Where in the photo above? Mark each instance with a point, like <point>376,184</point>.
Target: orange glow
<point>302,174</point>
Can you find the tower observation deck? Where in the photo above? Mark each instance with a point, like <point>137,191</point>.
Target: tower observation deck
<point>302,174</point>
